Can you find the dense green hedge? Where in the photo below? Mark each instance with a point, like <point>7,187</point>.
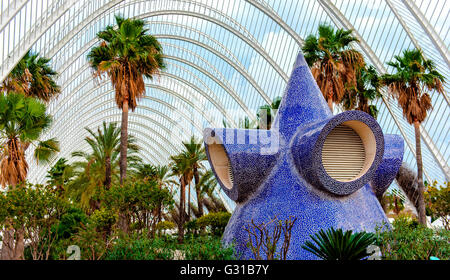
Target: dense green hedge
<point>215,222</point>
<point>139,247</point>
<point>408,240</point>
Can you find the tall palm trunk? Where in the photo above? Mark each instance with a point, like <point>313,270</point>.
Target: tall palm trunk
<point>189,202</point>
<point>107,172</point>
<point>124,142</point>
<point>182,209</point>
<point>123,221</point>
<point>421,202</point>
<point>13,245</point>
<point>198,191</point>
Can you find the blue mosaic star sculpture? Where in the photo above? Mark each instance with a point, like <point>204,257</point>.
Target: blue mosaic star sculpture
<point>280,172</point>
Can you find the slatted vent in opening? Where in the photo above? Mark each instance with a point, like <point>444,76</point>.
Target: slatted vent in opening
<point>230,173</point>
<point>343,154</point>
<point>221,164</point>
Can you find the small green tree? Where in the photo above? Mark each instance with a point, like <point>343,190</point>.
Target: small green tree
<point>138,202</point>
<point>437,200</point>
<point>33,212</point>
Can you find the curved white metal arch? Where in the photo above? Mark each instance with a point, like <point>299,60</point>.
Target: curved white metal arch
<point>42,171</point>
<point>226,88</point>
<point>62,126</point>
<point>265,8</point>
<point>340,19</point>
<point>429,30</point>
<point>237,67</point>
<point>33,35</point>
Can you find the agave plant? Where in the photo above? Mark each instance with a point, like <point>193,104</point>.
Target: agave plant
<point>339,245</point>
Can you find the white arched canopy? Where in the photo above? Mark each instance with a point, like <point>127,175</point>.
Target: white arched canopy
<point>225,59</point>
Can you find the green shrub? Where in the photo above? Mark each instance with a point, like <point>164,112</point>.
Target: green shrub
<point>70,222</point>
<point>141,248</point>
<point>408,240</point>
<point>103,219</point>
<point>216,221</point>
<point>338,245</point>
<point>207,248</point>
<point>165,225</point>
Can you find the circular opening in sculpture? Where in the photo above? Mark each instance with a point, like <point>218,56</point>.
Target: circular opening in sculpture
<point>348,151</point>
<point>221,164</point>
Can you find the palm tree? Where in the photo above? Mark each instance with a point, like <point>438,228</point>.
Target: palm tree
<point>99,166</point>
<point>126,55</point>
<point>413,76</point>
<point>33,77</point>
<point>367,89</point>
<point>195,153</point>
<point>206,184</point>
<point>242,123</point>
<point>103,145</point>
<point>181,168</point>
<point>163,179</point>
<point>59,175</point>
<point>22,121</point>
<point>145,172</point>
<point>333,62</point>
<point>266,113</point>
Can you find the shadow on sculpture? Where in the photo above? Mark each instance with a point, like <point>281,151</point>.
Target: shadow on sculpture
<point>324,170</point>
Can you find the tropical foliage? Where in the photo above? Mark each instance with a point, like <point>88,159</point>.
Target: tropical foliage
<point>22,121</point>
<point>409,240</point>
<point>33,77</point>
<point>336,244</point>
<point>114,205</point>
<point>126,55</point>
<point>414,76</point>
<point>437,201</point>
<point>333,62</point>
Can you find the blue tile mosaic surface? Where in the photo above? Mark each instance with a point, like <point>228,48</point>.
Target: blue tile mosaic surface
<point>279,173</point>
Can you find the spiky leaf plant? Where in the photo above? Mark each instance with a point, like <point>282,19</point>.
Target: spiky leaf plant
<point>339,245</point>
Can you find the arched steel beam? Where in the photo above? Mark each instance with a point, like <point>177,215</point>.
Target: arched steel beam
<point>211,95</point>
<point>40,174</point>
<point>79,27</point>
<point>33,35</point>
<point>10,12</point>
<point>139,116</point>
<point>243,72</point>
<point>173,93</point>
<point>60,126</point>
<point>339,19</point>
<point>429,30</point>
<point>411,36</point>
<point>251,43</point>
<point>227,88</point>
<point>162,148</point>
<point>241,32</point>
<point>267,9</point>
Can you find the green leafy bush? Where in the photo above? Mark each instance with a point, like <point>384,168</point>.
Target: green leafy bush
<point>437,200</point>
<point>139,247</point>
<point>103,220</point>
<point>408,240</point>
<point>70,222</point>
<point>207,248</point>
<point>216,221</point>
<point>339,245</point>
